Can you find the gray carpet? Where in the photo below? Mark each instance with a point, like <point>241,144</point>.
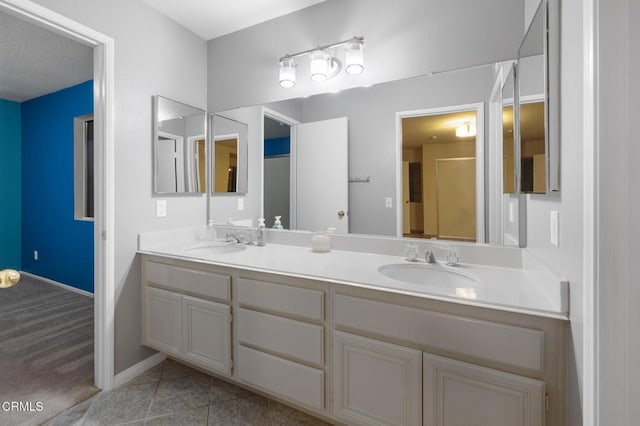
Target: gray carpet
<point>46,351</point>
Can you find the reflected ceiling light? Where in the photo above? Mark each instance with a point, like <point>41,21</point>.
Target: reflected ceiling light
<point>323,63</point>
<point>287,72</point>
<point>466,130</point>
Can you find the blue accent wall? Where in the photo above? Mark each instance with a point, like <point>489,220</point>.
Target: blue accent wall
<point>277,146</point>
<point>65,245</point>
<point>10,184</point>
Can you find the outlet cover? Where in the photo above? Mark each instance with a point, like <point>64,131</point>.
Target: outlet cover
<point>161,208</point>
<point>240,204</point>
<point>388,202</point>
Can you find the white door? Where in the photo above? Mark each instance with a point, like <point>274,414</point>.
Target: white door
<point>376,383</point>
<point>162,320</point>
<point>322,175</point>
<point>458,393</point>
<point>206,331</point>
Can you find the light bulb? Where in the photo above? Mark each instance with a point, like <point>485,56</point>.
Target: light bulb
<point>319,66</point>
<point>354,57</point>
<point>287,72</point>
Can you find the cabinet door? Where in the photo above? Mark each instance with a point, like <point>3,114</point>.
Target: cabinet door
<point>162,320</point>
<point>376,383</point>
<point>206,332</point>
<point>460,394</point>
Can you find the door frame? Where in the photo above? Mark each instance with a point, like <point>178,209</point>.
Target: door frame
<point>104,221</point>
<point>480,160</point>
<point>292,123</point>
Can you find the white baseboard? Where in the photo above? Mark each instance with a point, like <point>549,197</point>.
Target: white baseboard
<point>137,369</point>
<point>56,283</point>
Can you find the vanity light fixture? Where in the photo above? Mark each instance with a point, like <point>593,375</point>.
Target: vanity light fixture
<point>323,63</point>
<point>466,130</point>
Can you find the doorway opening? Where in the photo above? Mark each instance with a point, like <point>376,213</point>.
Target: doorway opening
<point>441,177</point>
<point>277,171</point>
<point>103,133</point>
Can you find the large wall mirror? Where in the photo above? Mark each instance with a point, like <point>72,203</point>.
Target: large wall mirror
<point>403,158</point>
<point>538,105</point>
<point>229,155</point>
<point>179,159</point>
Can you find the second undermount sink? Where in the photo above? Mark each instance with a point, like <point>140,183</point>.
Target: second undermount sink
<point>428,275</point>
<point>215,247</point>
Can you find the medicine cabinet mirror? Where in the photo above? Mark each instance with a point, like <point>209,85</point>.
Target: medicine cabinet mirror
<point>179,159</point>
<point>538,104</point>
<point>508,133</point>
<point>229,155</point>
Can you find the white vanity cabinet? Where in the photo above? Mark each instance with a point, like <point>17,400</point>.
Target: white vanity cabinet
<point>280,336</point>
<point>180,320</point>
<point>389,368</point>
<point>357,356</point>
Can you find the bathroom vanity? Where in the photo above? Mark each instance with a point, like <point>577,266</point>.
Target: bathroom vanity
<point>329,334</point>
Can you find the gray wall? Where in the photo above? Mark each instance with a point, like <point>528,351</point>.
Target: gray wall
<point>144,40</point>
<point>372,133</point>
<point>410,39</point>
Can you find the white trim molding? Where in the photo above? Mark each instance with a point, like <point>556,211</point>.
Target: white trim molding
<point>57,284</point>
<point>104,226</point>
<point>137,369</point>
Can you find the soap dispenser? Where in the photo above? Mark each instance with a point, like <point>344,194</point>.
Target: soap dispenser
<point>277,224</point>
<point>260,232</point>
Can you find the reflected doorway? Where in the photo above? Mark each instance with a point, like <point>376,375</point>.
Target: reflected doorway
<point>441,179</point>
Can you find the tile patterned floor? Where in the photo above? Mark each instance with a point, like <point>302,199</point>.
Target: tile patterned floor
<point>174,394</point>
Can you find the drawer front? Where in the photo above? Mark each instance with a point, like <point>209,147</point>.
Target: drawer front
<point>294,381</point>
<point>511,345</point>
<point>201,283</point>
<point>281,335</point>
<point>280,298</point>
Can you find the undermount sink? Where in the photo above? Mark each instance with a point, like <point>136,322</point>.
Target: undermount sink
<point>215,247</point>
<point>428,275</point>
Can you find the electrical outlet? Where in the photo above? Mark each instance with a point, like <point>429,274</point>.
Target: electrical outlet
<point>161,208</point>
<point>240,204</point>
<point>388,202</point>
<point>36,256</point>
<point>554,228</point>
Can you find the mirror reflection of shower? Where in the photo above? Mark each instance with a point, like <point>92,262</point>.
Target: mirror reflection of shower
<point>277,167</point>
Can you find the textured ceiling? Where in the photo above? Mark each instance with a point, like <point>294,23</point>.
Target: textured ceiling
<point>35,61</point>
<point>213,18</point>
<point>434,128</point>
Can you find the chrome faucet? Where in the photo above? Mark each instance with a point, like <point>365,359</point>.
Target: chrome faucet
<point>453,259</point>
<point>233,237</point>
<point>429,256</point>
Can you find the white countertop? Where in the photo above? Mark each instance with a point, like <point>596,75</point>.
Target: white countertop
<point>533,291</point>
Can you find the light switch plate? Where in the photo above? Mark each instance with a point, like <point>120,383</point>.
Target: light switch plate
<point>161,208</point>
<point>388,202</point>
<point>240,204</point>
<point>554,228</point>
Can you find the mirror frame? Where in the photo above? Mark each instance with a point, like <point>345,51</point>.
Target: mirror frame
<point>550,12</point>
<point>154,151</point>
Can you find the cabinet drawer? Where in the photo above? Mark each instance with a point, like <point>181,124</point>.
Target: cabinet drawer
<point>285,336</point>
<point>201,283</point>
<point>511,345</point>
<point>294,381</point>
<point>280,298</point>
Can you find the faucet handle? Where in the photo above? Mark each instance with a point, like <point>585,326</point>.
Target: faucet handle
<point>411,252</point>
<point>452,257</point>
